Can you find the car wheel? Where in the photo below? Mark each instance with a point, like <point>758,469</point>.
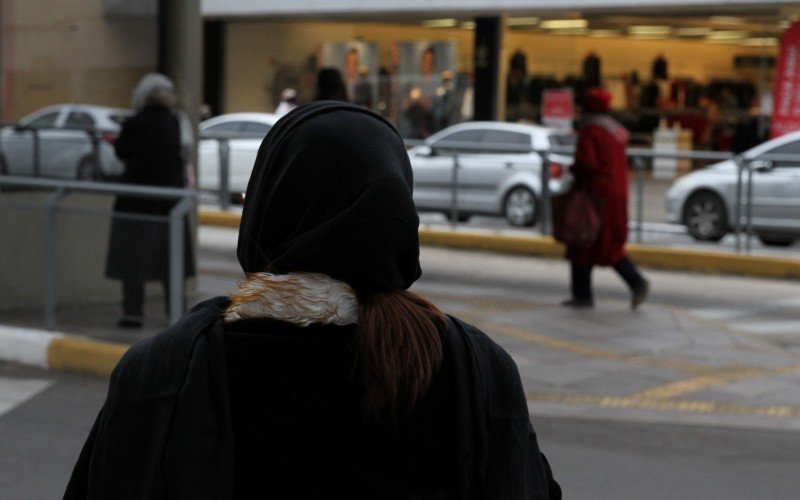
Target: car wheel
<point>705,217</point>
<point>776,240</point>
<point>520,207</point>
<point>87,170</point>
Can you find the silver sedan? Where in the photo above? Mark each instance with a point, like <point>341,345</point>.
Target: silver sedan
<point>499,173</point>
<point>705,201</point>
<point>60,141</point>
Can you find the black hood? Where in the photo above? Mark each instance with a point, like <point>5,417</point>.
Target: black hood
<point>330,192</point>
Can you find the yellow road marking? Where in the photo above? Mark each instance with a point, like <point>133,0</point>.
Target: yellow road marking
<point>663,404</point>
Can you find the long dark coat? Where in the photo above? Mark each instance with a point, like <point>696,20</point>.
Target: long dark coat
<point>601,168</point>
<point>192,413</point>
<point>150,146</point>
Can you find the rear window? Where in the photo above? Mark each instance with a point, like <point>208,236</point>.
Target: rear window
<point>256,128</point>
<point>118,118</point>
<point>564,140</point>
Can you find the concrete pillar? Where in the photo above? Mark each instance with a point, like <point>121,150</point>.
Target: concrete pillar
<point>488,87</point>
<point>179,49</point>
<point>214,33</point>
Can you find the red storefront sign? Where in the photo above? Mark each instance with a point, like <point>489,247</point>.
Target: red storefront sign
<point>557,108</point>
<point>786,105</point>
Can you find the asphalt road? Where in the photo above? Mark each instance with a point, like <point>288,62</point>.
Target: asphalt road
<point>623,451</point>
<point>41,437</point>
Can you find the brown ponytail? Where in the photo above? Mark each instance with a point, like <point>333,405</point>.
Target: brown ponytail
<point>399,343</point>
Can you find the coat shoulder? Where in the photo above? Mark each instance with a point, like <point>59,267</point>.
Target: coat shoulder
<point>164,356</point>
<point>498,372</point>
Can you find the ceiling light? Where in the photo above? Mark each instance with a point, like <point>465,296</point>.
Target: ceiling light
<point>649,37</point>
<point>439,23</point>
<point>727,35</point>
<point>726,20</point>
<point>649,30</point>
<point>605,33</point>
<point>570,31</point>
<point>522,21</point>
<point>555,24</point>
<point>760,42</point>
<point>692,31</point>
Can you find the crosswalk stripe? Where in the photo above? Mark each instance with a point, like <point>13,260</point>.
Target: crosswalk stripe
<point>14,391</point>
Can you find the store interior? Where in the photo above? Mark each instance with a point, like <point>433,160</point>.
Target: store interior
<point>708,73</point>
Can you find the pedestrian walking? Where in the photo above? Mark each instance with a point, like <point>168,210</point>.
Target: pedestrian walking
<point>601,170</point>
<point>150,145</point>
<point>322,376</point>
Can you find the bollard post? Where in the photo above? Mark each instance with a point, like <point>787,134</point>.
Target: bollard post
<point>454,192</point>
<point>749,210</point>
<point>95,138</point>
<point>544,199</point>
<point>737,208</point>
<point>50,258</point>
<point>176,258</point>
<point>224,173</point>
<point>36,161</point>
<point>638,162</point>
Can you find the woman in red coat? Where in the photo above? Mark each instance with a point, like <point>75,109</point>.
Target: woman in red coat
<point>601,169</point>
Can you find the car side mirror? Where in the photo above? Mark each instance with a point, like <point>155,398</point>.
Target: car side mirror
<point>762,165</point>
<point>424,151</point>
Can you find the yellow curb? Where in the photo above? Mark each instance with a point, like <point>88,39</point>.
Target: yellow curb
<point>224,219</point>
<point>544,246</point>
<point>84,356</point>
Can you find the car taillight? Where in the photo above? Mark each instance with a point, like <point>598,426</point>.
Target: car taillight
<point>556,170</point>
<point>109,137</point>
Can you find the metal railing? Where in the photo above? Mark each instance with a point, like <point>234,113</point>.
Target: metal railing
<point>185,201</point>
<point>224,157</point>
<point>743,207</point>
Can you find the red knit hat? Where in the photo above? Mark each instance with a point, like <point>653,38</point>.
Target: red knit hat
<point>597,100</point>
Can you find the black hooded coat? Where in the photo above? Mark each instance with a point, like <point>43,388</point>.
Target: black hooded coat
<point>260,408</point>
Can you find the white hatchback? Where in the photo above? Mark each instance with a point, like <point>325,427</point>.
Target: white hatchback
<point>243,133</point>
<point>499,172</point>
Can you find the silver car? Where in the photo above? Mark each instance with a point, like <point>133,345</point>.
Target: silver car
<point>498,171</point>
<point>243,133</point>
<point>67,135</point>
<point>705,201</point>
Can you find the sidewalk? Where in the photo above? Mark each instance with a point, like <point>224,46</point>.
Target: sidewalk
<point>661,363</point>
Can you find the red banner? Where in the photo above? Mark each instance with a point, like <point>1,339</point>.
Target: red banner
<point>786,104</point>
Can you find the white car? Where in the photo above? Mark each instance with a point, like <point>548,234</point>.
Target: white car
<point>704,201</point>
<point>65,133</point>
<point>243,133</point>
<point>493,179</point>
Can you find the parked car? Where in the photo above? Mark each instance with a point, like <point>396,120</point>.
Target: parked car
<point>66,133</point>
<point>243,133</point>
<point>498,174</point>
<point>705,201</point>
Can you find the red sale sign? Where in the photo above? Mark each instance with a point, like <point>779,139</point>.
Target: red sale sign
<point>558,106</point>
<point>786,104</point>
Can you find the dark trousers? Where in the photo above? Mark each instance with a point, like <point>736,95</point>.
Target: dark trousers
<point>133,298</point>
<point>582,278</point>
